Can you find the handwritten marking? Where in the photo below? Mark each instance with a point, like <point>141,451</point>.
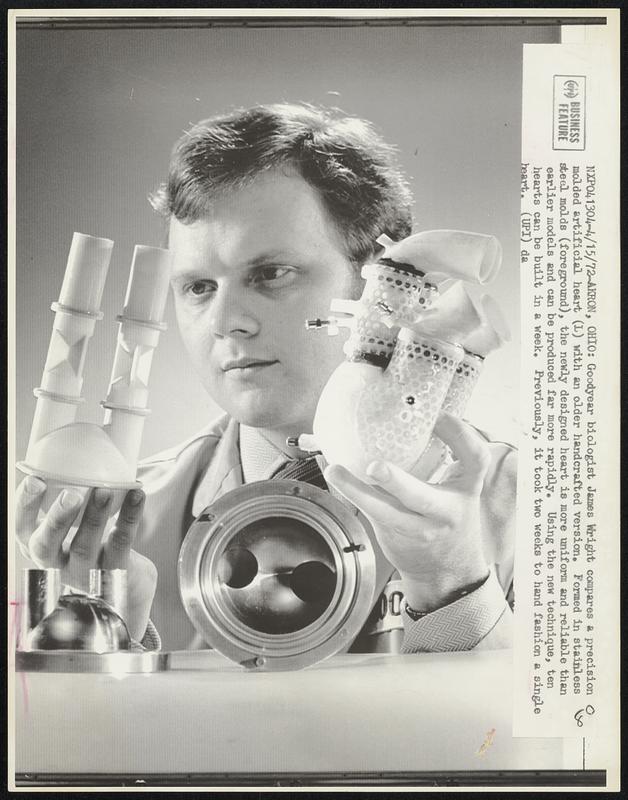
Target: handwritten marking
<point>579,714</point>
<point>488,741</point>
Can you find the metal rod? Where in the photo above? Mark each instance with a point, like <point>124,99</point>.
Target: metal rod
<point>41,589</point>
<point>110,585</point>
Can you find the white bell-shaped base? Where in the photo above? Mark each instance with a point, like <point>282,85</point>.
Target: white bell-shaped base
<point>78,456</point>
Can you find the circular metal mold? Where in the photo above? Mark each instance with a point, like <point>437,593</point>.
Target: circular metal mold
<point>120,663</point>
<point>277,574</point>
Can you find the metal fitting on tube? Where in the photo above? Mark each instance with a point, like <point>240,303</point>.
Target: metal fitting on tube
<point>315,324</point>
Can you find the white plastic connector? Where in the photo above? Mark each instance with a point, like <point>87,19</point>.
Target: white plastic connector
<point>492,333</point>
<point>452,316</point>
<point>444,254</point>
<point>307,443</point>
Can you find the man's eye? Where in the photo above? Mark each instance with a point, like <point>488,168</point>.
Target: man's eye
<point>274,276</point>
<point>199,288</point>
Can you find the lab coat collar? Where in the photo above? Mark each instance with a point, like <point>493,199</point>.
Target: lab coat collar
<point>224,472</point>
<point>260,458</point>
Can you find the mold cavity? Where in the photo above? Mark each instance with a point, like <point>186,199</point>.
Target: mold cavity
<point>237,567</point>
<point>313,582</point>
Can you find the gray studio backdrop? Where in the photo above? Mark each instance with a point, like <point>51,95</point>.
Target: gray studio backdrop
<point>98,111</point>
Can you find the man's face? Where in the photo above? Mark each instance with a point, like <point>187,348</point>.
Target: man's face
<point>245,278</point>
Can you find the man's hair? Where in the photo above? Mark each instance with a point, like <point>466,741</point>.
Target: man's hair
<point>354,171</point>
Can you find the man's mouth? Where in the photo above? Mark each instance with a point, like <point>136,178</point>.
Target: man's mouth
<point>242,365</point>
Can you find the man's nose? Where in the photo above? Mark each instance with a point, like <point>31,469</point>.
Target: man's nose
<point>231,314</point>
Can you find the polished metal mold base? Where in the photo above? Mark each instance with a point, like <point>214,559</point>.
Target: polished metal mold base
<point>118,663</point>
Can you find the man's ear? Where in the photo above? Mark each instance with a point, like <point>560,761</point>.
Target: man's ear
<point>357,284</point>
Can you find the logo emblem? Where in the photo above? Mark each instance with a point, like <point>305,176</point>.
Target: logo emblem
<point>571,89</point>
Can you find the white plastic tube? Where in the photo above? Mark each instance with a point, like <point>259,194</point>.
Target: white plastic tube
<point>138,336</point>
<point>76,314</point>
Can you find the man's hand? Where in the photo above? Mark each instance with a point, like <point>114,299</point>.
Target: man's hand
<point>429,532</point>
<point>41,539</point>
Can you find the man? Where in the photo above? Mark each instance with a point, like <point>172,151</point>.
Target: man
<point>272,212</point>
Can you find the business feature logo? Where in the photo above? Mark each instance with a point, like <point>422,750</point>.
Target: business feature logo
<point>569,109</point>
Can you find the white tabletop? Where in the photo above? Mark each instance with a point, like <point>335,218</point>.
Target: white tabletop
<point>350,713</point>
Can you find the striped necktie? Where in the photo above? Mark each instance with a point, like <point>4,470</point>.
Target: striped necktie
<point>301,469</point>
